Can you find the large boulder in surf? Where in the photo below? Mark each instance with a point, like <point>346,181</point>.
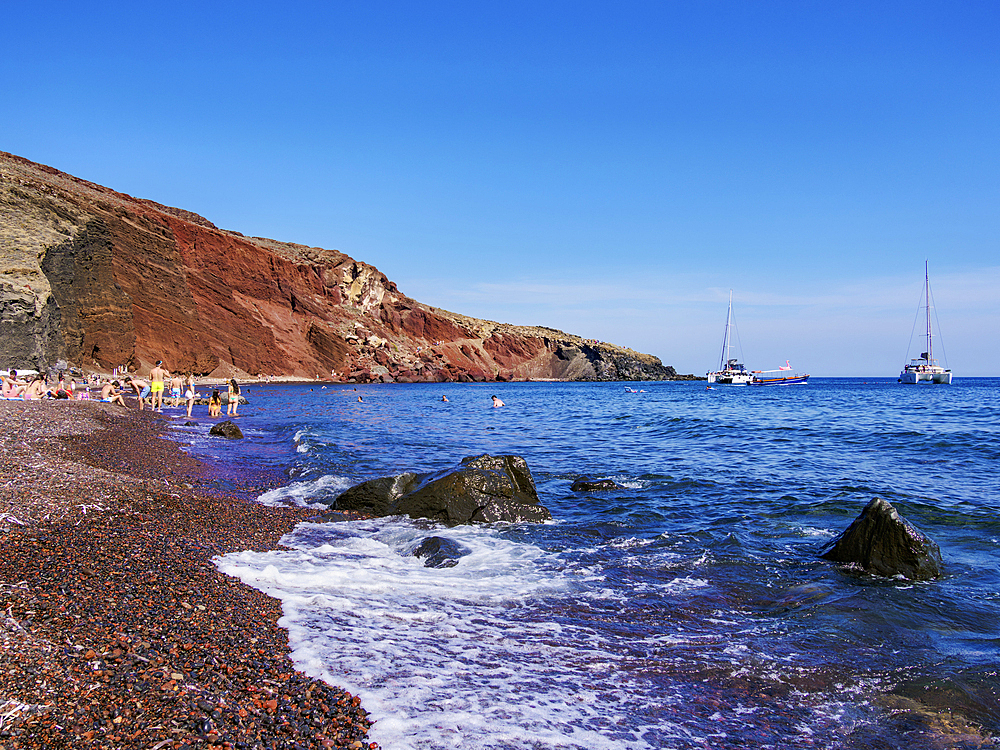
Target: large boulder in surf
<point>227,429</point>
<point>482,489</point>
<point>881,542</point>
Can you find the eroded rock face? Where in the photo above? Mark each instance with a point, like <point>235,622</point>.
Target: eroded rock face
<point>482,489</point>
<point>103,279</point>
<point>880,542</point>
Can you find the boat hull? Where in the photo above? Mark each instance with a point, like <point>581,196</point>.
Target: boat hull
<point>730,378</point>
<point>786,380</point>
<point>915,377</point>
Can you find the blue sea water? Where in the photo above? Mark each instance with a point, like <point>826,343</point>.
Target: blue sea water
<point>688,609</point>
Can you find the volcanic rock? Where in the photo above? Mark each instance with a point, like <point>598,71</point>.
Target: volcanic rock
<point>439,552</point>
<point>482,489</point>
<point>227,429</point>
<point>881,542</point>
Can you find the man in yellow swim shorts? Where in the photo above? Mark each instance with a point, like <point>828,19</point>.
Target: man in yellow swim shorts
<point>156,377</point>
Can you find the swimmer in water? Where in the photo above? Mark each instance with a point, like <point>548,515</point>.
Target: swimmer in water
<point>497,403</point>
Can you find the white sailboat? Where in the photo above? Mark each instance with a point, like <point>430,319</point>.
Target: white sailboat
<point>925,368</point>
<point>731,371</point>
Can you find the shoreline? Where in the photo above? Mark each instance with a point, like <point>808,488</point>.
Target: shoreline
<point>117,629</point>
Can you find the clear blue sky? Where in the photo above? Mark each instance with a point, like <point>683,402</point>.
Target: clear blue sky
<point>610,169</point>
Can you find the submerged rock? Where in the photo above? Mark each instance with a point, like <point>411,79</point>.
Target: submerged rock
<point>482,489</point>
<point>227,429</point>
<point>595,485</point>
<point>881,542</point>
<point>438,552</point>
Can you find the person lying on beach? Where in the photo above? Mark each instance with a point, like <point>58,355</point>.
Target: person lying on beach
<point>111,395</point>
<point>141,388</point>
<point>215,404</point>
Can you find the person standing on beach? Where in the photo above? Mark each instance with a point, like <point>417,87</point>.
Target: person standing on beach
<point>234,398</point>
<point>176,383</point>
<point>141,388</point>
<point>157,375</point>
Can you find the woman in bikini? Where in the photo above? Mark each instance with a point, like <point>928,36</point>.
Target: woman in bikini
<point>189,393</point>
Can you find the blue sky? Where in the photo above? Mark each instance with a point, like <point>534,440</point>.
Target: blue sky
<point>611,169</point>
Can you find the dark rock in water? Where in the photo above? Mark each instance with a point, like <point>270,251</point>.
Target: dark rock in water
<point>190,424</point>
<point>376,495</point>
<point>482,489</point>
<point>439,552</point>
<point>595,485</point>
<point>881,542</point>
<point>227,429</point>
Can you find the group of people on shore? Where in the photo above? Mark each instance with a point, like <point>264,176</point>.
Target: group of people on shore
<point>114,391</point>
<point>36,386</point>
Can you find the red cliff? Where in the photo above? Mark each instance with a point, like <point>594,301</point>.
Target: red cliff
<point>102,279</point>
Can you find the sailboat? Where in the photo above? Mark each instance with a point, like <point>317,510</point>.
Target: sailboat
<point>925,368</point>
<point>730,371</point>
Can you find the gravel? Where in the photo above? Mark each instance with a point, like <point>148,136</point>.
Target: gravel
<point>116,630</point>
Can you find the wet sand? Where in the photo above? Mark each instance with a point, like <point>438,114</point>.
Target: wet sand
<point>116,630</point>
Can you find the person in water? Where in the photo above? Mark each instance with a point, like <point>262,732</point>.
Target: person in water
<point>234,398</point>
<point>215,404</point>
<point>176,383</point>
<point>189,394</point>
<point>497,403</point>
<point>444,398</point>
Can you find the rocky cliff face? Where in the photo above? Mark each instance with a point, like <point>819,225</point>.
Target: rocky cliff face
<point>101,279</point>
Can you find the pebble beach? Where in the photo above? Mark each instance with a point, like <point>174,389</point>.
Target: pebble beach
<point>117,630</point>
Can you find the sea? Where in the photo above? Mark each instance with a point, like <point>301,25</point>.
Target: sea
<point>689,608</point>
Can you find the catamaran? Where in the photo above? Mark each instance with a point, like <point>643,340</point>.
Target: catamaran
<point>731,371</point>
<point>925,369</point>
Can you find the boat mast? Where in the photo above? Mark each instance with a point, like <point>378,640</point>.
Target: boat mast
<point>927,298</point>
<point>725,341</point>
